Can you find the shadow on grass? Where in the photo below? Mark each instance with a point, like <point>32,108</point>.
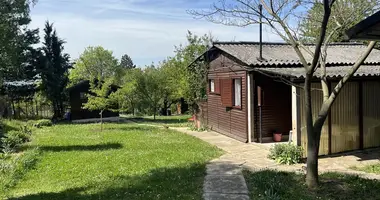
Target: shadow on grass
<point>132,128</point>
<point>164,183</point>
<point>160,121</point>
<point>97,147</point>
<point>270,184</point>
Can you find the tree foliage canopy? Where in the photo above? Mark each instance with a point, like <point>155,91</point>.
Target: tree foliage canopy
<point>126,62</point>
<point>344,14</point>
<point>95,63</point>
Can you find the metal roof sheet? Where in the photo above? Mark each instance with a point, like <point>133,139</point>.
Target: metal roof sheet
<point>284,54</point>
<point>340,71</point>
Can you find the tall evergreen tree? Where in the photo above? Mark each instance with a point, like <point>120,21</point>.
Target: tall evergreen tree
<point>126,62</point>
<point>54,71</point>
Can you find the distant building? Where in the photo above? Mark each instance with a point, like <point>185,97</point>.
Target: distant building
<point>77,97</point>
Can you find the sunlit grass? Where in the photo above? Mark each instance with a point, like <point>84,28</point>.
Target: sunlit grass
<point>125,161</point>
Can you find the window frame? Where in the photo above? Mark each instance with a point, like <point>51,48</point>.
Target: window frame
<point>234,93</point>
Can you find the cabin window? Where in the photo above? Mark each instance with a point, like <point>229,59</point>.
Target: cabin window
<point>212,85</point>
<point>237,92</point>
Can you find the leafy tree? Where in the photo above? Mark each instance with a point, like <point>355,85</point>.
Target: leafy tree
<point>95,63</point>
<point>149,88</point>
<point>344,14</point>
<point>127,96</point>
<point>279,15</point>
<point>54,69</point>
<point>126,62</point>
<point>98,97</point>
<point>181,80</point>
<point>16,40</point>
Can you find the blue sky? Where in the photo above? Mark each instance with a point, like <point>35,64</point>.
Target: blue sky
<point>147,30</point>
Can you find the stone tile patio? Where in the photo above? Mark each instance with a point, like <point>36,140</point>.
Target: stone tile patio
<point>254,156</point>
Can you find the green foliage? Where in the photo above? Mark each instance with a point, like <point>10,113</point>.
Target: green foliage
<point>127,96</point>
<point>13,140</point>
<point>14,167</point>
<point>95,63</point>
<point>17,52</point>
<point>346,13</point>
<point>54,70</point>
<point>150,87</point>
<point>100,98</point>
<point>126,62</point>
<point>375,168</point>
<point>286,153</point>
<point>42,122</point>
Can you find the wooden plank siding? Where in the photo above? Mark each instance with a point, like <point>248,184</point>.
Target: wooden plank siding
<point>371,113</point>
<point>276,106</point>
<point>228,121</point>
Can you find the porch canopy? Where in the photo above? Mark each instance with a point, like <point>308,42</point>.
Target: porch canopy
<point>331,72</point>
<point>368,29</point>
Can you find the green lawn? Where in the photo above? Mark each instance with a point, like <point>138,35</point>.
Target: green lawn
<point>125,161</point>
<point>171,121</point>
<point>375,168</point>
<point>273,185</point>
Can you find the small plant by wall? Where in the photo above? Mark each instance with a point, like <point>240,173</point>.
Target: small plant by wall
<point>286,153</point>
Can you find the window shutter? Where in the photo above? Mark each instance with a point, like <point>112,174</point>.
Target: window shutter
<point>226,92</point>
<point>217,86</point>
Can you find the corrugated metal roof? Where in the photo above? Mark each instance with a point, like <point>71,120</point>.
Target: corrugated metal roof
<point>340,71</point>
<point>284,54</point>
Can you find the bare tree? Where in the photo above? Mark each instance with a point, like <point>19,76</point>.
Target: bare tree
<point>282,17</point>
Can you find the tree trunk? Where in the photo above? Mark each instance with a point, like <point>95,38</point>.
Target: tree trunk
<point>312,144</point>
<point>101,120</point>
<point>154,113</point>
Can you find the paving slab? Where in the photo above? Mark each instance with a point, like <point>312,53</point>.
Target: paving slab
<point>225,184</point>
<point>213,196</point>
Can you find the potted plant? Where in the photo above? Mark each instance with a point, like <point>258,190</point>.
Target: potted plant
<point>277,136</point>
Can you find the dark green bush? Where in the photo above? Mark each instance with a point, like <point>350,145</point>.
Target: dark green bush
<point>42,123</point>
<point>286,153</point>
<point>13,139</point>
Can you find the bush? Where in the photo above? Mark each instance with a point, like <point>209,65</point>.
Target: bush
<point>42,123</point>
<point>13,140</point>
<point>286,153</point>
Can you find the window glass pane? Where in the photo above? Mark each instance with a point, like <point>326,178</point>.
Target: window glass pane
<point>212,86</point>
<point>237,90</point>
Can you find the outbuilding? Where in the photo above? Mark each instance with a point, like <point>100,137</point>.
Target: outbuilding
<point>251,97</point>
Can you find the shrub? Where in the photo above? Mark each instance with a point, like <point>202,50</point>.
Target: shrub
<point>13,140</point>
<point>42,123</point>
<point>286,153</point>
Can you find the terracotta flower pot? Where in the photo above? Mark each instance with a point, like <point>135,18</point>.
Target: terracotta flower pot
<point>277,137</point>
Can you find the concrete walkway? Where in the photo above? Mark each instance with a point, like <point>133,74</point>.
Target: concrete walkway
<point>224,181</point>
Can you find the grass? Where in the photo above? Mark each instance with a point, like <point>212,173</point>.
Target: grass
<point>274,185</point>
<point>125,161</point>
<point>375,168</point>
<point>171,121</point>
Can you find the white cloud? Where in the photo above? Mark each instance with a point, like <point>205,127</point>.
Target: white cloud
<point>144,38</point>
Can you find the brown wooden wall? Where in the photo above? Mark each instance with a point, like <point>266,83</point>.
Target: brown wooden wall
<point>346,131</point>
<point>276,106</point>
<point>229,121</point>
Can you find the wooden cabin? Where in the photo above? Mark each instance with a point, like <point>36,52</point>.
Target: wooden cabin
<point>250,98</point>
<point>77,97</point>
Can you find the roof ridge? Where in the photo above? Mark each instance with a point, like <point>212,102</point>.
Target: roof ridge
<point>285,44</point>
